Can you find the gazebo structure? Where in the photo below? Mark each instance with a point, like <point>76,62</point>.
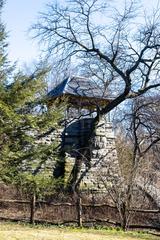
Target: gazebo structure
<point>81,92</point>
<point>83,96</point>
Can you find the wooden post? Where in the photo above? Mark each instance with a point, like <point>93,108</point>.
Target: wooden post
<point>79,211</point>
<point>32,208</point>
<point>124,217</point>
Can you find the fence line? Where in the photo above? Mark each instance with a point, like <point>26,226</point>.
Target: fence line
<point>66,213</point>
<point>73,204</point>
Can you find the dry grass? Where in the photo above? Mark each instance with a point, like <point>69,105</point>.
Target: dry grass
<point>10,231</point>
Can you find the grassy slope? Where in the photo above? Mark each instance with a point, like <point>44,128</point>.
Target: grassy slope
<point>10,231</point>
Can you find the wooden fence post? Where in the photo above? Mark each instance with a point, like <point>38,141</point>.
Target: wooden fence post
<point>32,208</point>
<point>79,211</point>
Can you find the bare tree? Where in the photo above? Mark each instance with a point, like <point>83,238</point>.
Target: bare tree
<point>110,46</point>
<point>129,58</point>
<point>137,183</point>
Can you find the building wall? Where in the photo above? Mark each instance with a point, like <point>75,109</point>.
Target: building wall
<point>103,157</point>
<point>72,136</point>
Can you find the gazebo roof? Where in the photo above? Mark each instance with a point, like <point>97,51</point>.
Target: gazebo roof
<point>80,92</point>
<point>78,87</point>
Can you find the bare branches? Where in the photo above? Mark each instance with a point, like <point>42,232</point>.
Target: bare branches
<point>81,33</point>
<point>144,124</point>
<point>126,56</point>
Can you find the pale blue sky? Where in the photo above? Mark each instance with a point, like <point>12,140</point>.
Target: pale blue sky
<point>19,15</point>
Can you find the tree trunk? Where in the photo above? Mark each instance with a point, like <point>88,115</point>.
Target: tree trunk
<point>32,208</point>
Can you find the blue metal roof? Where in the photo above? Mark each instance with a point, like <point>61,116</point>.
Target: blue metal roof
<point>58,90</point>
<point>78,86</point>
